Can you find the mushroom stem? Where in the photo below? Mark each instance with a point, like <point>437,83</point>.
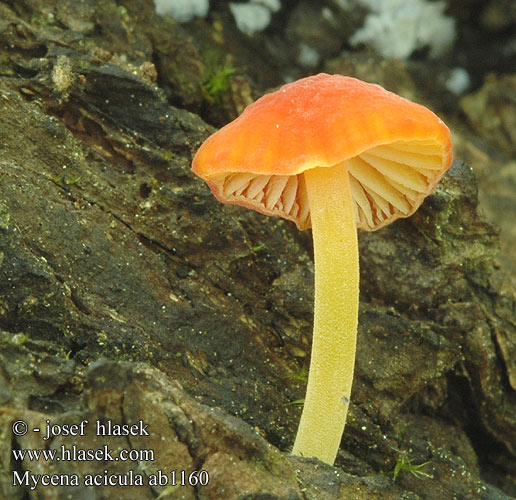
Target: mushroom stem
<point>335,315</point>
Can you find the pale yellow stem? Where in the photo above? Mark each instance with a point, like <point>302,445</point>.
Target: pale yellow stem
<point>335,316</point>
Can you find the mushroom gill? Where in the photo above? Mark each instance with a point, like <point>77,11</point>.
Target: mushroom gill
<point>386,181</point>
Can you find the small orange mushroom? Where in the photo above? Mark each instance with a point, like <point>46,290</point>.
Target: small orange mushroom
<point>332,153</point>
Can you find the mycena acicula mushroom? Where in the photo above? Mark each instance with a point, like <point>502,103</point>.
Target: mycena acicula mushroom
<point>332,153</point>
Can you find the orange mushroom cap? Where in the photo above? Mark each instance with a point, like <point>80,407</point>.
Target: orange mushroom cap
<point>395,150</point>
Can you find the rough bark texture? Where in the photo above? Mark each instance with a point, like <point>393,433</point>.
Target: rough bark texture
<point>128,293</point>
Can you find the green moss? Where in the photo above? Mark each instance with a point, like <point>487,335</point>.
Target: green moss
<point>258,248</point>
<point>168,491</point>
<point>63,181</point>
<point>216,75</point>
<point>20,338</point>
<point>217,81</point>
<point>43,20</point>
<point>4,308</point>
<point>168,155</point>
<point>73,180</point>
<point>301,375</point>
<point>297,402</point>
<point>404,464</point>
<point>5,216</point>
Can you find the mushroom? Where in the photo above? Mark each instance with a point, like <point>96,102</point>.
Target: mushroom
<point>332,153</point>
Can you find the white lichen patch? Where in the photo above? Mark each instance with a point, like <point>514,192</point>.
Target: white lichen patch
<point>458,81</point>
<point>254,16</point>
<point>307,56</point>
<point>62,75</point>
<point>396,28</point>
<point>182,10</point>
